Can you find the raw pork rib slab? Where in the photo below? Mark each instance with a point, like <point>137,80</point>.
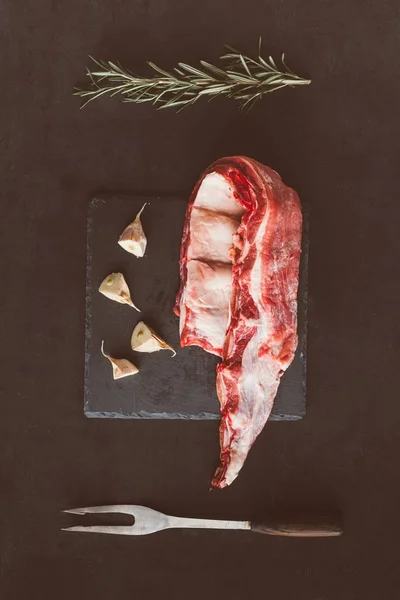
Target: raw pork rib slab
<point>239,269</point>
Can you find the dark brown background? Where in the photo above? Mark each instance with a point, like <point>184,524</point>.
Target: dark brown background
<point>336,142</point>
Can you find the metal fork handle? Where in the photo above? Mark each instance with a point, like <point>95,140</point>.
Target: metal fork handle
<point>186,523</point>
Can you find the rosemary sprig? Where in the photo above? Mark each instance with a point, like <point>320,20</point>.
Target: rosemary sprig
<point>239,77</point>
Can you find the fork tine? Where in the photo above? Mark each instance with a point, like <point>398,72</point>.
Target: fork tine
<point>116,508</point>
<point>113,529</point>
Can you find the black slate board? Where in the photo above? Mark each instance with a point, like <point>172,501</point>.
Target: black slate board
<point>182,387</point>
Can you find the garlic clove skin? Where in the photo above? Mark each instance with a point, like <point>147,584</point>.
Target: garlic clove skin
<point>145,339</point>
<point>121,367</point>
<point>115,288</point>
<point>133,238</point>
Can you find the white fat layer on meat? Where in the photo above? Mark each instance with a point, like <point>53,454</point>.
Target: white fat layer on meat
<point>259,380</point>
<point>206,295</point>
<point>215,193</point>
<point>211,235</point>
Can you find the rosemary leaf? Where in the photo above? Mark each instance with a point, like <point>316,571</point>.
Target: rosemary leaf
<point>271,60</point>
<point>161,71</point>
<point>246,68</point>
<point>192,70</point>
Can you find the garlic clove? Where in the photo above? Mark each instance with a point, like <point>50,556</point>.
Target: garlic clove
<point>133,238</point>
<point>121,367</point>
<point>115,287</point>
<point>145,339</point>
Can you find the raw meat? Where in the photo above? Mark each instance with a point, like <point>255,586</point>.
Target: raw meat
<point>241,302</point>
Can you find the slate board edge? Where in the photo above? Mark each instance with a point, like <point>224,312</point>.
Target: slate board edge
<point>88,300</point>
<point>305,266</point>
<point>143,415</point>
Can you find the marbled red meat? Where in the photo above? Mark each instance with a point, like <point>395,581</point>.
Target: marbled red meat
<point>238,295</point>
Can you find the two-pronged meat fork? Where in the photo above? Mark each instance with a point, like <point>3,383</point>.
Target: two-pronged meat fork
<point>148,521</point>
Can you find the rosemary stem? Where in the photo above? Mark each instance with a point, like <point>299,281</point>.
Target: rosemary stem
<point>244,79</point>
